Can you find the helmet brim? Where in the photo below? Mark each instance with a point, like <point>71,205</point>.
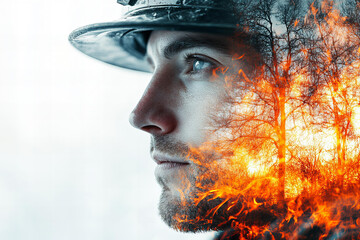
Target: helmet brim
<point>121,43</point>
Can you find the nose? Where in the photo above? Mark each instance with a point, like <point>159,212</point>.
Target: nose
<point>155,112</point>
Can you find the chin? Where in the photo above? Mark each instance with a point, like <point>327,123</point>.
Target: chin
<point>186,216</point>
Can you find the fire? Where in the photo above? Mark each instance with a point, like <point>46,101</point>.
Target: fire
<point>286,165</point>
<point>356,120</point>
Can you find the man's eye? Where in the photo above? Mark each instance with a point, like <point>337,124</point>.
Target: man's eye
<point>199,65</point>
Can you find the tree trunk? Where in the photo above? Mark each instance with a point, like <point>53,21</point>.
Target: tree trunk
<point>282,148</point>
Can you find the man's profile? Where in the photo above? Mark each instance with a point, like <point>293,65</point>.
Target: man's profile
<point>241,102</point>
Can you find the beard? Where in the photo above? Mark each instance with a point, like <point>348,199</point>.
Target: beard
<point>178,206</point>
<point>187,215</point>
<point>188,201</point>
<point>196,213</point>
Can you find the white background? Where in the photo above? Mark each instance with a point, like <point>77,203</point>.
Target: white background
<point>71,166</point>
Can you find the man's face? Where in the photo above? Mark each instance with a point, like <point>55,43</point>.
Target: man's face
<point>185,97</point>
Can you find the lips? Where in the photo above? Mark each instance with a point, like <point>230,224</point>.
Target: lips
<point>165,161</point>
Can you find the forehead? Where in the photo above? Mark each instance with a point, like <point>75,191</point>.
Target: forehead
<point>168,42</point>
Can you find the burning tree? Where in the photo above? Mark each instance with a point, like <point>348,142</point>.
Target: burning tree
<point>332,55</point>
<point>266,103</point>
<point>304,90</point>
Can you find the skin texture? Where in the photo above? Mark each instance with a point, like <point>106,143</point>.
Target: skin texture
<point>178,109</point>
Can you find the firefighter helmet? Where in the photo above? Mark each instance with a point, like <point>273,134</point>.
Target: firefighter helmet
<point>123,42</point>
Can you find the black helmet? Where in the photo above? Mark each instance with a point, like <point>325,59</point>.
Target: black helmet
<point>123,42</point>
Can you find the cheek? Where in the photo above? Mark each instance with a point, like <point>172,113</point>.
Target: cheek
<point>200,103</point>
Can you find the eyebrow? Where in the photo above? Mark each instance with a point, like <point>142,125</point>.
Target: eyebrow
<point>188,42</point>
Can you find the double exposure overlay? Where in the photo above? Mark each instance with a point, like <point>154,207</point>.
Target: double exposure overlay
<point>285,162</point>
